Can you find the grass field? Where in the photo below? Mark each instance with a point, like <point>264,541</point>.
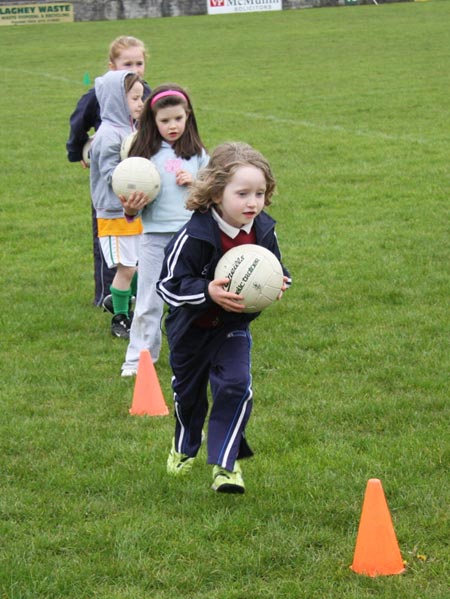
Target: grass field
<point>351,369</point>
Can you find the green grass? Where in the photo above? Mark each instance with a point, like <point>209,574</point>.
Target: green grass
<point>350,369</point>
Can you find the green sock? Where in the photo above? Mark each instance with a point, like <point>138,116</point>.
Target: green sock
<point>120,300</point>
<point>134,284</point>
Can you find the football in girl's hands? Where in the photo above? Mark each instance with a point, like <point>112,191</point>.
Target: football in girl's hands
<point>254,272</point>
<point>136,174</point>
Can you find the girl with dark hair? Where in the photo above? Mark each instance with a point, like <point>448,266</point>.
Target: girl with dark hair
<point>168,135</point>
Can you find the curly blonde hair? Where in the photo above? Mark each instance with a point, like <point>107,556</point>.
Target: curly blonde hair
<point>207,190</point>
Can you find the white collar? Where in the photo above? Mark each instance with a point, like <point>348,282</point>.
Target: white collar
<point>227,228</point>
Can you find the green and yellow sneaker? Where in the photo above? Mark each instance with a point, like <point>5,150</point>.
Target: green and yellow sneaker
<point>178,464</point>
<point>225,481</point>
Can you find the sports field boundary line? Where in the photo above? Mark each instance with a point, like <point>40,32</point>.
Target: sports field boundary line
<point>323,127</point>
<point>265,117</point>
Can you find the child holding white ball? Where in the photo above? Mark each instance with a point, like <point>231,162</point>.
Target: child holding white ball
<point>126,53</point>
<point>168,134</point>
<point>207,330</point>
<point>120,95</point>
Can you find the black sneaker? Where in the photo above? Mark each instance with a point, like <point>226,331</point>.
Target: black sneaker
<point>108,305</point>
<point>120,326</point>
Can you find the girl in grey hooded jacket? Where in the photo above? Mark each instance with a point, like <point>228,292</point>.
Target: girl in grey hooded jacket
<point>120,98</point>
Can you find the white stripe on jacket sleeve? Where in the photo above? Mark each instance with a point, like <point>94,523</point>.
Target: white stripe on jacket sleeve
<point>172,298</point>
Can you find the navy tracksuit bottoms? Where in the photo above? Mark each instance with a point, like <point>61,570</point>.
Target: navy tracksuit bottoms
<point>103,276</point>
<point>221,357</point>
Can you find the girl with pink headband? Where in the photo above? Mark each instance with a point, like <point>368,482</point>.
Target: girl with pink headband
<point>169,92</point>
<point>168,135</point>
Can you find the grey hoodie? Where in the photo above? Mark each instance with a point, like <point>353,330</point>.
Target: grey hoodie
<point>105,151</point>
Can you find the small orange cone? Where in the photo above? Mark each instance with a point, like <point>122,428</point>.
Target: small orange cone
<point>376,552</point>
<point>148,399</point>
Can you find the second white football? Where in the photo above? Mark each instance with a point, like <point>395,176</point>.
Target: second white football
<point>136,174</point>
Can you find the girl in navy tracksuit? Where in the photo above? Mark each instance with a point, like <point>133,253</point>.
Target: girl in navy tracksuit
<point>207,330</point>
<point>126,53</point>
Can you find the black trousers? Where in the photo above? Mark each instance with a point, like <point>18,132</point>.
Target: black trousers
<point>103,276</point>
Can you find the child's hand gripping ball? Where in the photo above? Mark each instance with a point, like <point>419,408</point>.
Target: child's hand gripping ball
<point>254,272</point>
<point>136,174</point>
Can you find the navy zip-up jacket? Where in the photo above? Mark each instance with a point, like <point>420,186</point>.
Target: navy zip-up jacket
<point>85,117</point>
<point>190,260</point>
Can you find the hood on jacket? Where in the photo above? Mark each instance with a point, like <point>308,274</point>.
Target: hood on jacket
<point>110,92</point>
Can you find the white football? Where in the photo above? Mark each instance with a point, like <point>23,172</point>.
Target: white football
<point>87,151</point>
<point>254,272</point>
<point>136,174</point>
<point>126,145</point>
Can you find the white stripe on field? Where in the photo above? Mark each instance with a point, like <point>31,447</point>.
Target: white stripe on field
<point>322,126</point>
<point>263,117</point>
<point>44,75</point>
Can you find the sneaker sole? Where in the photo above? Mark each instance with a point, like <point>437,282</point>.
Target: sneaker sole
<point>120,336</point>
<point>228,488</point>
<point>126,374</point>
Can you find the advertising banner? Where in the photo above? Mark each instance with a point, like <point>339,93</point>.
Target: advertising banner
<point>220,7</point>
<point>29,14</point>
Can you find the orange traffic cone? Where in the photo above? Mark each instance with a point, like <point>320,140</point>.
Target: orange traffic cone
<point>376,552</point>
<point>147,396</point>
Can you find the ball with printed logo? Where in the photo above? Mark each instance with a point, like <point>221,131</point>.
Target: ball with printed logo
<point>254,272</point>
<point>87,151</point>
<point>136,174</point>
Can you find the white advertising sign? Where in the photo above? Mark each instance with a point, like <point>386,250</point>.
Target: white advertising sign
<point>220,7</point>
